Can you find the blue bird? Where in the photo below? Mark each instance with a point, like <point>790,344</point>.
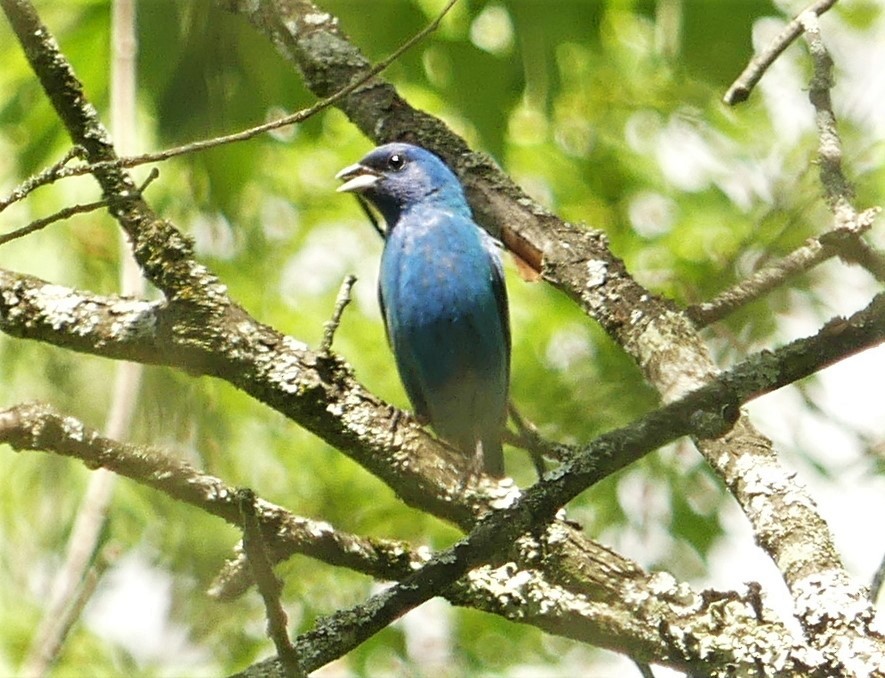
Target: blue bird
<point>442,295</point>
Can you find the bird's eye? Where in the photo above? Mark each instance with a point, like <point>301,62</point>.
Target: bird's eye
<point>396,162</point>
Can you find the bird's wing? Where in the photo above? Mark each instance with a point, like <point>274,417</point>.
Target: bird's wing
<point>410,380</point>
<point>492,246</point>
<point>384,314</point>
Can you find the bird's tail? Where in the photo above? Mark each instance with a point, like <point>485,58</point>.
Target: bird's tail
<point>493,456</point>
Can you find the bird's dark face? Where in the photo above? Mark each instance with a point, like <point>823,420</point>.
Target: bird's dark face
<point>395,177</point>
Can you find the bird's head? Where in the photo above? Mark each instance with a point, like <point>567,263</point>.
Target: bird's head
<point>397,176</point>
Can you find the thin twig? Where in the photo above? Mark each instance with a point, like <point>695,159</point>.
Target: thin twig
<point>42,223</point>
<point>838,191</point>
<point>844,239</point>
<point>752,74</point>
<point>341,302</point>
<point>58,171</point>
<point>269,585</point>
<point>528,438</point>
<point>776,273</point>
<point>46,176</point>
<point>856,251</point>
<point>70,211</point>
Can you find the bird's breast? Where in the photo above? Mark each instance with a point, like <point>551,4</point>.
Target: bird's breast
<point>435,276</point>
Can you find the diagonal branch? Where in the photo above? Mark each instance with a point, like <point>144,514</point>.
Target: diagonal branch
<point>315,391</point>
<point>229,344</point>
<point>318,392</point>
<point>663,342</point>
<point>269,585</point>
<point>838,191</point>
<point>517,592</point>
<point>841,241</point>
<point>39,427</point>
<point>762,372</point>
<point>752,74</point>
<point>46,176</point>
<point>709,406</point>
<point>66,213</point>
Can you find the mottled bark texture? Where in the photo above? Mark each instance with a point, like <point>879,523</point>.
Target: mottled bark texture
<point>521,559</point>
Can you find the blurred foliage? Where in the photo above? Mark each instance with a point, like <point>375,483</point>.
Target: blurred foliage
<point>608,113</point>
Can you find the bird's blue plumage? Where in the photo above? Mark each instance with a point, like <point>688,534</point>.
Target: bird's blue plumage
<point>442,296</point>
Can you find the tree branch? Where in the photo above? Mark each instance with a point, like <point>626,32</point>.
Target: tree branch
<point>707,408</point>
<point>626,620</point>
<point>165,256</point>
<point>750,379</point>
<point>838,191</point>
<point>319,393</point>
<point>225,342</point>
<point>840,241</point>
<point>752,74</point>
<point>46,176</point>
<point>268,584</point>
<point>662,341</point>
<point>66,213</point>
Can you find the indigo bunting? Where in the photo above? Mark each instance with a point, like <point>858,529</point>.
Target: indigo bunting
<point>442,296</point>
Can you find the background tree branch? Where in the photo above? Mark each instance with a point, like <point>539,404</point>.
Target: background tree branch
<point>554,577</point>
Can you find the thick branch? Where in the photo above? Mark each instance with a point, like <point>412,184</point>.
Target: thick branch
<point>629,623</point>
<point>662,341</point>
<point>707,406</point>
<point>39,427</point>
<point>228,344</point>
<point>315,391</point>
<point>763,372</point>
<point>577,261</point>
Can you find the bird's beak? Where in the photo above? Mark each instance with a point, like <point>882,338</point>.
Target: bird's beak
<point>357,178</point>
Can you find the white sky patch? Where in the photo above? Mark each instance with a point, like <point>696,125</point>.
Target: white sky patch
<point>642,129</point>
<point>280,220</point>
<point>567,347</point>
<point>865,414</point>
<point>429,631</point>
<point>492,30</point>
<point>131,608</point>
<point>213,236</point>
<point>692,155</point>
<point>646,502</point>
<point>328,254</point>
<point>685,158</point>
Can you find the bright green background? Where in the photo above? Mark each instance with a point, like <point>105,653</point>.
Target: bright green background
<point>581,102</point>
